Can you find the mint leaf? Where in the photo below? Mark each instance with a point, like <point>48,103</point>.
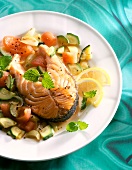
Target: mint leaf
<point>82,125</point>
<point>32,75</point>
<point>47,81</point>
<point>72,127</point>
<point>4,62</point>
<point>90,94</point>
<point>87,95</point>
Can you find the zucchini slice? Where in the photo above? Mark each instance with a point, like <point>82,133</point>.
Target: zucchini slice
<point>60,50</point>
<point>9,82</point>
<point>75,69</point>
<point>16,132</point>
<point>5,94</point>
<point>14,110</point>
<point>51,51</point>
<point>33,134</point>
<point>7,122</point>
<point>46,132</point>
<point>17,100</point>
<point>1,114</point>
<point>84,64</point>
<point>86,53</point>
<point>4,52</point>
<point>34,118</point>
<point>1,73</point>
<point>41,69</point>
<point>73,39</point>
<point>62,40</point>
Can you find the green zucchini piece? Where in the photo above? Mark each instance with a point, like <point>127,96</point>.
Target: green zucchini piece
<point>34,118</point>
<point>41,69</point>
<point>16,132</point>
<point>75,69</point>
<point>51,51</point>
<point>14,110</point>
<point>33,134</point>
<point>62,40</point>
<point>9,82</point>
<point>1,73</point>
<point>73,39</point>
<point>84,64</point>
<point>4,52</point>
<point>7,122</point>
<point>86,53</point>
<point>46,132</point>
<point>60,50</point>
<point>5,94</point>
<point>28,61</point>
<point>17,100</point>
<point>1,114</point>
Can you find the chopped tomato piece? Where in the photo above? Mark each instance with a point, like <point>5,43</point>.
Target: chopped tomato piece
<point>39,61</point>
<point>28,126</point>
<point>24,114</point>
<point>5,107</point>
<point>49,39</point>
<point>69,58</point>
<point>3,79</point>
<point>15,46</point>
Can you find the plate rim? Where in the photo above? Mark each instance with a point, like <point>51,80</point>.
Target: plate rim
<point>119,70</point>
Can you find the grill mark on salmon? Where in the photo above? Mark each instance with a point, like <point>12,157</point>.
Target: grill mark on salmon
<point>57,104</point>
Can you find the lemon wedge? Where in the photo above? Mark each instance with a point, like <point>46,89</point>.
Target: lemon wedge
<point>96,73</point>
<point>90,84</point>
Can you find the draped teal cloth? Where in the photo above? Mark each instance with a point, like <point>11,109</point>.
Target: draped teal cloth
<point>112,150</point>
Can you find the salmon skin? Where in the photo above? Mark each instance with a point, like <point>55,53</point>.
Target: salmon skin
<point>57,104</point>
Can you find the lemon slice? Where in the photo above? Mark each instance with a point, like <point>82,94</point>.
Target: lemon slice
<point>96,73</point>
<point>90,84</point>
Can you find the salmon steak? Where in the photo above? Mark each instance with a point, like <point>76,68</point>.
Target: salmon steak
<point>56,104</point>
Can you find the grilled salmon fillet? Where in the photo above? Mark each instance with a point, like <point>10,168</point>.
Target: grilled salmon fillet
<point>57,104</point>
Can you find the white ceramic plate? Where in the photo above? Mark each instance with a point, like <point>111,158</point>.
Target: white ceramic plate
<point>97,118</point>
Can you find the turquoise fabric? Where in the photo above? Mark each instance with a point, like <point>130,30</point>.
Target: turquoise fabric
<point>112,150</point>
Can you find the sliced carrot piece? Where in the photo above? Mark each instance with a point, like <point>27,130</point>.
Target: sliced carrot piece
<point>68,58</point>
<point>49,39</point>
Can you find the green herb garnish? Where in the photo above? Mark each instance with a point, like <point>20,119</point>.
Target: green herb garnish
<point>32,75</point>
<point>83,104</point>
<point>47,81</point>
<point>90,94</point>
<point>87,95</point>
<point>4,62</point>
<point>82,125</point>
<point>74,126</point>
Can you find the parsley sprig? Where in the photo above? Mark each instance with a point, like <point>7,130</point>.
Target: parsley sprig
<point>75,126</point>
<point>87,95</point>
<point>33,75</point>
